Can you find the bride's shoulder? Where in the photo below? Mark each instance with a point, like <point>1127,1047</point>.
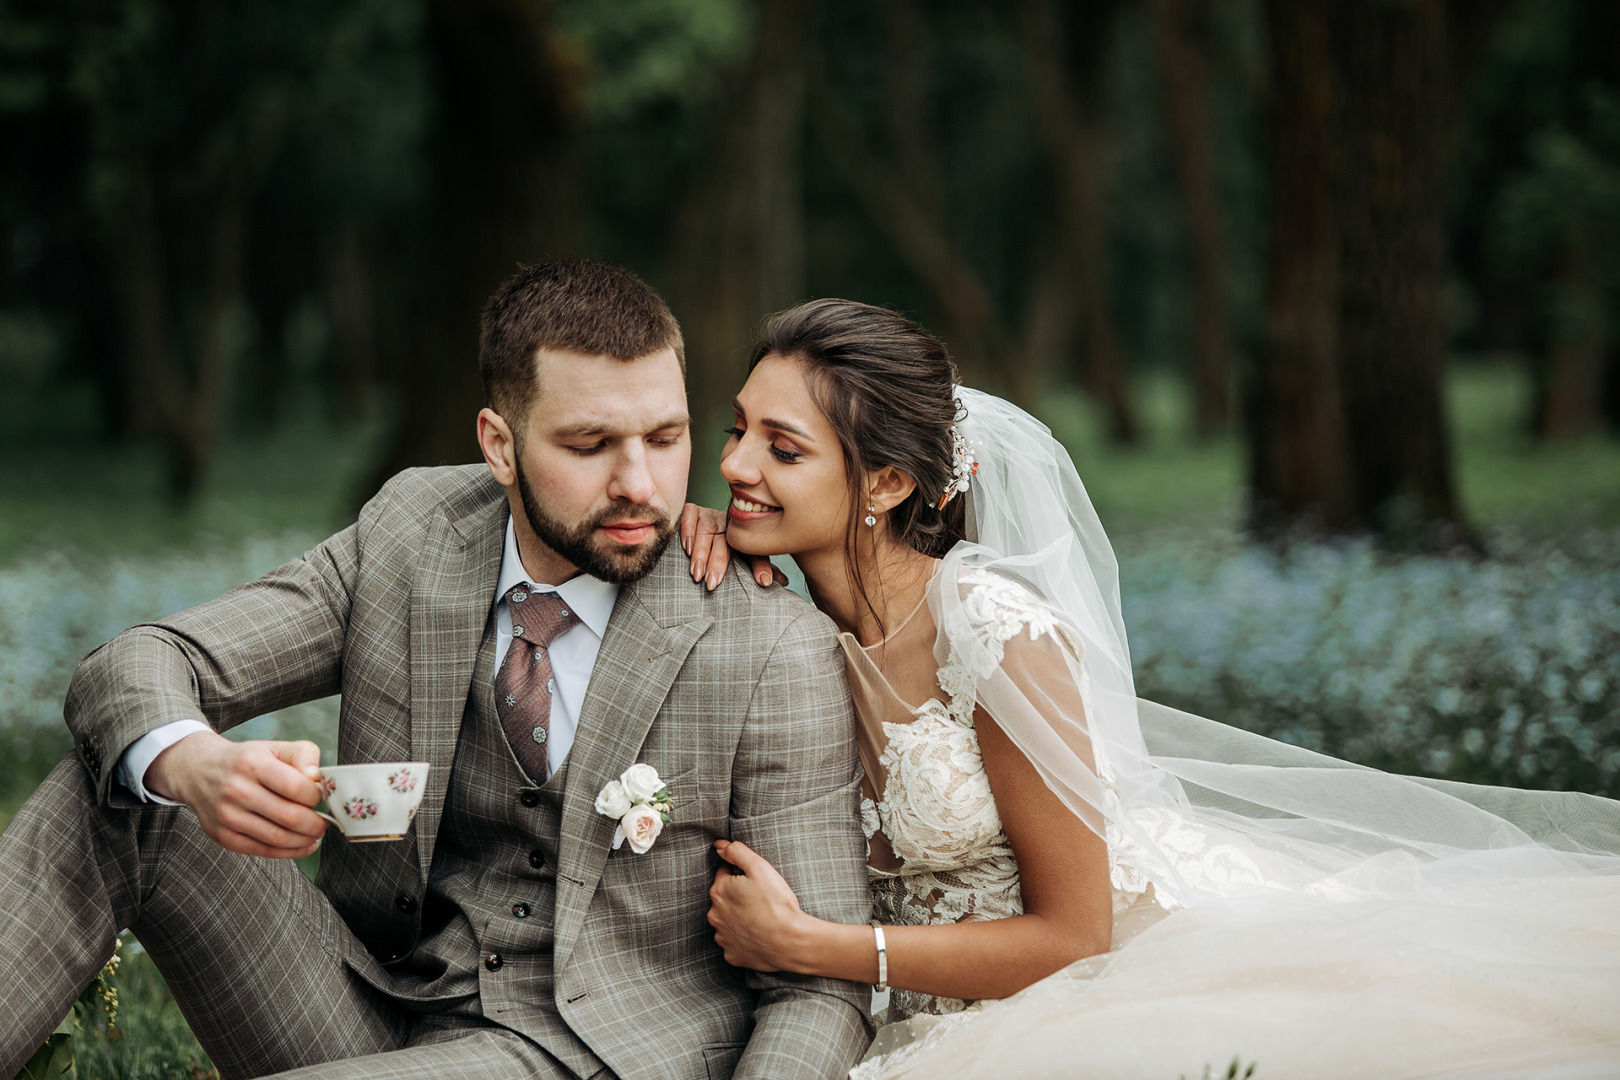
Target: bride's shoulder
<point>990,618</point>
<point>996,603</point>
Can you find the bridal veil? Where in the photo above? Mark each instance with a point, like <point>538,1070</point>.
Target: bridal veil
<point>1319,917</point>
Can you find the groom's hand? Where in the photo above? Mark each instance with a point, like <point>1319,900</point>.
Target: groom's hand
<point>251,797</point>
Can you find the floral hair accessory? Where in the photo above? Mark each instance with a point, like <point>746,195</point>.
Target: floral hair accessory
<point>964,465</point>
<point>640,802</point>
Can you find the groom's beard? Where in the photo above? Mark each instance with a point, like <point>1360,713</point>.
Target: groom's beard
<point>587,549</point>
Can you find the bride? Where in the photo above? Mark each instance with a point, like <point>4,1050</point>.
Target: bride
<point>1153,892</point>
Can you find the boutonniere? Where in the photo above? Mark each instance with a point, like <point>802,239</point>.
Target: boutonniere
<point>640,803</point>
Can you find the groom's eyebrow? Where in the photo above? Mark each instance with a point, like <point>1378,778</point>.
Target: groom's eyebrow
<point>780,425</point>
<point>599,427</point>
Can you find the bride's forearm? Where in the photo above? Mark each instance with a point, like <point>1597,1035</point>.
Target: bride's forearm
<point>970,960</point>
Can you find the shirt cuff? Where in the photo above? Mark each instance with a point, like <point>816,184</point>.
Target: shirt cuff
<point>143,751</point>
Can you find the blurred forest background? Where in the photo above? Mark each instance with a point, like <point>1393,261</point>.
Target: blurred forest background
<point>1321,296</point>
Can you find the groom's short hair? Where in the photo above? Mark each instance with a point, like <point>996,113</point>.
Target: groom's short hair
<point>578,305</point>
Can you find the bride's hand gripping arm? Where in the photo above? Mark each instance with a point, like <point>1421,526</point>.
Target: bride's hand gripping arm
<point>1064,877</point>
<point>703,537</point>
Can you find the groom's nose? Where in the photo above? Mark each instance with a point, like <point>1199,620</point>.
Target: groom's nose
<point>632,479</point>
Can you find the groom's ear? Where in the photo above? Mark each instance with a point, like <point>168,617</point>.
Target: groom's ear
<point>888,487</point>
<point>496,440</point>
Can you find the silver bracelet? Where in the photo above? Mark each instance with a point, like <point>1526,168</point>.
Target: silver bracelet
<point>883,959</point>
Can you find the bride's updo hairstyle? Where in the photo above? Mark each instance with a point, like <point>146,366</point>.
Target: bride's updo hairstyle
<point>885,385</point>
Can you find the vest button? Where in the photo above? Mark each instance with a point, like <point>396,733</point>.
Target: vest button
<point>530,799</point>
<point>537,858</point>
<point>493,961</point>
<point>406,903</point>
<point>520,910</point>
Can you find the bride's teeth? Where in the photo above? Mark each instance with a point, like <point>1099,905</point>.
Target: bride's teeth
<point>750,507</point>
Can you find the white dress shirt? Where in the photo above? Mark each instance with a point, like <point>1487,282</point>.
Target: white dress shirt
<point>573,658</point>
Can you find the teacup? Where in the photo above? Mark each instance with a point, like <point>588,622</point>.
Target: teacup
<point>375,801</point>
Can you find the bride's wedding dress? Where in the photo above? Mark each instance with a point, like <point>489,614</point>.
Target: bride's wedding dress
<point>1314,917</point>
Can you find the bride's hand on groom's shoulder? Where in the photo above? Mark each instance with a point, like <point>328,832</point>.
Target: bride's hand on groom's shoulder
<point>753,910</point>
<point>703,536</point>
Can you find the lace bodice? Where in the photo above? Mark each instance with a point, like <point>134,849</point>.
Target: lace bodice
<point>938,850</point>
<point>940,820</point>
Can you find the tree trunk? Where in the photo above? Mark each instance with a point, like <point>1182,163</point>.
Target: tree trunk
<point>1347,425</point>
<point>1396,135</point>
<point>1179,32</point>
<point>155,388</point>
<point>903,197</point>
<point>739,245</point>
<point>1064,61</point>
<point>505,193</point>
<point>353,310</point>
<point>1570,395</point>
<point>1298,454</point>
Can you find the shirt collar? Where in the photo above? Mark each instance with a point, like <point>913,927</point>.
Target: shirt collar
<point>590,598</point>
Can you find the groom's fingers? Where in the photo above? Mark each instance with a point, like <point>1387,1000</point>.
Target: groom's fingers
<point>256,821</point>
<point>243,844</point>
<point>286,773</point>
<point>268,816</point>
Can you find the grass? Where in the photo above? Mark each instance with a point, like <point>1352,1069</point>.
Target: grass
<point>97,500</point>
<point>1503,670</point>
<point>150,1039</point>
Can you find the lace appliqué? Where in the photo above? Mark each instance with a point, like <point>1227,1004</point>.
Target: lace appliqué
<point>998,609</point>
<point>939,816</point>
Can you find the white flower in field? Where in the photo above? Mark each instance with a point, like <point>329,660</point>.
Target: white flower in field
<point>641,782</point>
<point>1591,687</point>
<point>613,801</point>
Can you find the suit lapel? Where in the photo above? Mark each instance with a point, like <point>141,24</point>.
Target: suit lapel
<point>655,623</point>
<point>451,598</point>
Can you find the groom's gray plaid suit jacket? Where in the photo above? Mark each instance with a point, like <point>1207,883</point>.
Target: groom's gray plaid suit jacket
<point>737,697</point>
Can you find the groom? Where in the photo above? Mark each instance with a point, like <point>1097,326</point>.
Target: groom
<point>502,937</point>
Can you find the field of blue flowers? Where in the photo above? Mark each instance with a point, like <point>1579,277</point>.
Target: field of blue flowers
<point>1502,670</point>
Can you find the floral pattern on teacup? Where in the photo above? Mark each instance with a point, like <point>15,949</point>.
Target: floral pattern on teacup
<point>402,782</point>
<point>360,808</point>
<point>327,786</point>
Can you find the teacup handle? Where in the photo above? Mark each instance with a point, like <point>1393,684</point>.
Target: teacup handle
<point>329,818</point>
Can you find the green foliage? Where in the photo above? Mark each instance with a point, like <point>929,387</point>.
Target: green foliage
<point>646,54</point>
<point>1232,1071</point>
<point>93,1019</point>
<point>1542,176</point>
<point>151,1040</point>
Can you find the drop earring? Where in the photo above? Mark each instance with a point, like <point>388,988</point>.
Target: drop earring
<point>871,515</point>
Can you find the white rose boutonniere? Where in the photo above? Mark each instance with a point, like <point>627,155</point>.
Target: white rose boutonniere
<point>640,802</point>
<point>614,801</point>
<point>641,783</point>
<point>641,827</point>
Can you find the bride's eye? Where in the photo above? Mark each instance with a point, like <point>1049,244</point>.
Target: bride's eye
<point>789,456</point>
<point>734,432</point>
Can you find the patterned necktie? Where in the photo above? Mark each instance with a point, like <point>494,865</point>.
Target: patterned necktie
<point>524,685</point>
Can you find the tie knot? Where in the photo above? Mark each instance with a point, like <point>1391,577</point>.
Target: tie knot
<point>538,617</point>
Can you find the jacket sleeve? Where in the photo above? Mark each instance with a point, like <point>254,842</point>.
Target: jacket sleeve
<point>263,646</point>
<point>796,801</point>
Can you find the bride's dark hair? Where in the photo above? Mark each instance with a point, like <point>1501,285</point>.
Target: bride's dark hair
<point>886,386</point>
